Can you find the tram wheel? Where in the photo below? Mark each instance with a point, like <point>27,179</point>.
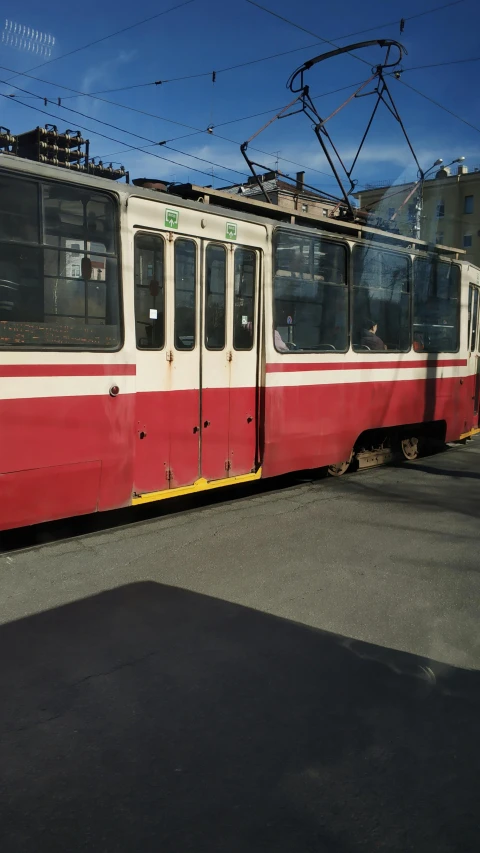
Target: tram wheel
<point>410,448</point>
<point>340,468</point>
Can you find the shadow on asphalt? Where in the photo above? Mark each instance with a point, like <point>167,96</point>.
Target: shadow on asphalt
<point>150,718</point>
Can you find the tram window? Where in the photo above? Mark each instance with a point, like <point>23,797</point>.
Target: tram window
<point>19,214</point>
<point>185,255</point>
<point>58,274</point>
<point>244,296</point>
<point>215,296</point>
<point>149,292</point>
<point>71,213</point>
<point>436,305</point>
<point>381,298</point>
<point>473,316</point>
<point>310,294</point>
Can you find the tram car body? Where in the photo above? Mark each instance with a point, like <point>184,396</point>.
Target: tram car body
<point>153,345</point>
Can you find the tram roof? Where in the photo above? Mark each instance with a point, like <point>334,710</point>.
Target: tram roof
<point>242,206</point>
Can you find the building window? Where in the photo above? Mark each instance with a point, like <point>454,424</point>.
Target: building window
<point>467,241</point>
<point>325,211</point>
<point>310,295</point>
<point>468,204</point>
<point>391,212</point>
<point>411,212</point>
<point>381,300</point>
<point>440,209</point>
<point>439,237</point>
<point>304,208</point>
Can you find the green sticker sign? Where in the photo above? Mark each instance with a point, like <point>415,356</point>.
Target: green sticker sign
<point>171,218</point>
<point>231,231</point>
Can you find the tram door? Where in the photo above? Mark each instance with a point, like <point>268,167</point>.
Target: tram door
<point>228,371</point>
<point>474,346</point>
<point>167,328</point>
<point>196,322</point>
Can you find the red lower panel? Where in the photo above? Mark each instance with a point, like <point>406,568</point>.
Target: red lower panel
<point>215,438</point>
<point>28,497</point>
<point>69,455</point>
<point>166,420</point>
<point>170,421</point>
<point>42,438</point>
<point>230,434</point>
<point>242,430</point>
<point>314,425</point>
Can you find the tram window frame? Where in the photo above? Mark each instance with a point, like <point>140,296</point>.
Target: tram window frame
<point>179,241</point>
<point>240,327</point>
<point>421,347</point>
<point>159,239</point>
<point>294,271</point>
<point>360,315</point>
<point>209,328</point>
<point>43,333</point>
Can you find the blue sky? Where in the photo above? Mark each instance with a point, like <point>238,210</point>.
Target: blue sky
<point>208,35</point>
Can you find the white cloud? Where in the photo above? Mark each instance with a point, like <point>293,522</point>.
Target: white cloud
<point>101,75</point>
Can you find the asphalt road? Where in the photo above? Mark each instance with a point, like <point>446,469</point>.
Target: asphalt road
<point>294,670</point>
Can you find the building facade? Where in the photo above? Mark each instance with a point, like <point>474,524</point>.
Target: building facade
<point>291,195</point>
<point>444,210</point>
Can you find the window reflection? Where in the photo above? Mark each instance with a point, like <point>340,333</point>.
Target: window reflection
<point>149,292</point>
<point>310,294</point>
<point>244,305</point>
<point>381,300</point>
<point>185,293</point>
<point>215,296</point>
<point>436,305</point>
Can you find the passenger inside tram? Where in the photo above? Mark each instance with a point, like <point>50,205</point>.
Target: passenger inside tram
<point>369,338</point>
<point>280,344</point>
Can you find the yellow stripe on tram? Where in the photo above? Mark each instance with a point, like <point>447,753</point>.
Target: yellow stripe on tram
<point>200,485</point>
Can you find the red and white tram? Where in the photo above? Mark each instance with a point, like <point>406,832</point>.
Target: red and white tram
<point>154,344</point>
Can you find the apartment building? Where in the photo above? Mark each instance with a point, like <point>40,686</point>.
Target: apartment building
<point>445,209</point>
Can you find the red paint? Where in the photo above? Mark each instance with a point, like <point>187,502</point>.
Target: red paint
<point>33,370</point>
<point>242,431</point>
<point>69,455</point>
<point>315,425</point>
<point>215,432</point>
<point>290,367</point>
<point>41,438</point>
<point>183,414</point>
<point>41,494</point>
<point>168,419</point>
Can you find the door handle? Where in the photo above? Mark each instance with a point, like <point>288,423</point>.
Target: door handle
<point>195,429</point>
<point>206,423</point>
<point>249,419</point>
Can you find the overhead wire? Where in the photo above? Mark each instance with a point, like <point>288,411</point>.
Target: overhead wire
<point>267,58</point>
<point>151,142</point>
<point>438,104</point>
<point>394,74</point>
<point>195,131</point>
<point>130,133</point>
<point>397,21</point>
<point>105,38</point>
